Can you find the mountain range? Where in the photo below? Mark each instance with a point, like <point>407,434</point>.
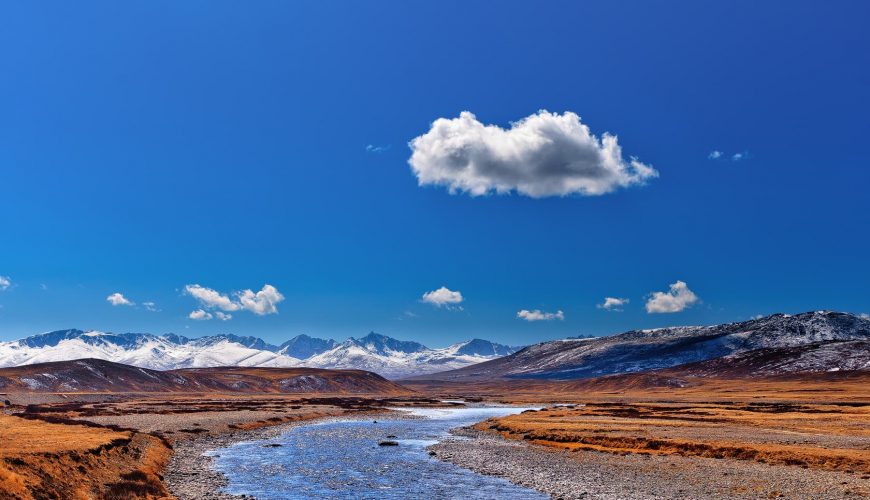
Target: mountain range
<point>374,352</point>
<point>820,341</point>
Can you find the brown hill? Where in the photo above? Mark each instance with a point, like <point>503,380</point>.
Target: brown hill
<point>95,375</point>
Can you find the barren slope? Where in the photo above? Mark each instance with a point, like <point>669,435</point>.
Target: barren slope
<point>94,375</point>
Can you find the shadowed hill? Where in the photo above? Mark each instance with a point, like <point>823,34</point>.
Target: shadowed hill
<point>95,375</point>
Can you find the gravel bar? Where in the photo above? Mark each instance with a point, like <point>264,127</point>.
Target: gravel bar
<point>600,475</point>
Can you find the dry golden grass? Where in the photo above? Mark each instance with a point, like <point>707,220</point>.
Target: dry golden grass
<point>819,421</point>
<point>826,436</point>
<point>18,434</point>
<point>817,388</point>
<point>52,460</point>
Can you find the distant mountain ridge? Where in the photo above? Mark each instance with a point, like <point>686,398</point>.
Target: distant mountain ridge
<point>375,352</point>
<point>97,375</point>
<point>809,342</point>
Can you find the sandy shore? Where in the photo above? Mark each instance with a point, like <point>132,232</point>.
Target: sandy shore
<point>600,475</point>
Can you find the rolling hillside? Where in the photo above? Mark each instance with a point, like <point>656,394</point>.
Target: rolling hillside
<point>95,375</point>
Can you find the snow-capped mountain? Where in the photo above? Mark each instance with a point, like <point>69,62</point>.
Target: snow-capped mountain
<point>644,350</point>
<point>395,358</point>
<point>164,352</point>
<point>303,346</point>
<point>374,352</point>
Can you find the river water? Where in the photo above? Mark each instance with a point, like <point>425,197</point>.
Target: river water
<point>342,459</point>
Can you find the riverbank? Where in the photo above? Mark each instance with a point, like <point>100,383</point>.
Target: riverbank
<point>127,445</point>
<point>336,458</point>
<point>58,458</point>
<point>603,475</point>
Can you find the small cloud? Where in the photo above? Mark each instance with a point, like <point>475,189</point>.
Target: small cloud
<point>758,316</point>
<point>223,316</point>
<point>612,304</point>
<point>118,299</point>
<point>541,155</point>
<point>371,148</point>
<point>408,315</point>
<point>262,302</point>
<point>678,298</point>
<point>150,306</point>
<point>719,155</point>
<point>43,286</point>
<point>443,297</point>
<point>864,316</point>
<point>538,315</point>
<point>200,315</point>
<point>5,282</point>
<point>211,298</point>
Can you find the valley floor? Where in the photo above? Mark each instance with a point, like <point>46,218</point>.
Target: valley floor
<point>710,439</point>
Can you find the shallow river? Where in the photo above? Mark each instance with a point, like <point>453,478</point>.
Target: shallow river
<point>342,459</point>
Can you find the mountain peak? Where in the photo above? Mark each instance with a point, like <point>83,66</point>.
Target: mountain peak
<point>382,344</point>
<point>304,346</point>
<point>480,347</point>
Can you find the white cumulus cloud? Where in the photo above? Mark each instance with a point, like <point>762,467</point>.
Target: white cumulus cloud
<point>200,315</point>
<point>538,315</point>
<point>223,316</point>
<point>262,302</point>
<point>5,282</point>
<point>544,154</point>
<point>678,298</point>
<point>211,298</point>
<point>118,299</point>
<point>150,306</point>
<point>612,304</point>
<point>443,297</point>
<point>715,154</point>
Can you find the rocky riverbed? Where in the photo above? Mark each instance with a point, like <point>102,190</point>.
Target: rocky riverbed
<point>190,474</point>
<point>589,474</point>
<point>335,458</point>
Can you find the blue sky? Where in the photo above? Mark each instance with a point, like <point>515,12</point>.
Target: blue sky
<point>147,146</point>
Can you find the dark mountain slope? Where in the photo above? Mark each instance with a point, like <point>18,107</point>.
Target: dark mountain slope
<point>645,350</point>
